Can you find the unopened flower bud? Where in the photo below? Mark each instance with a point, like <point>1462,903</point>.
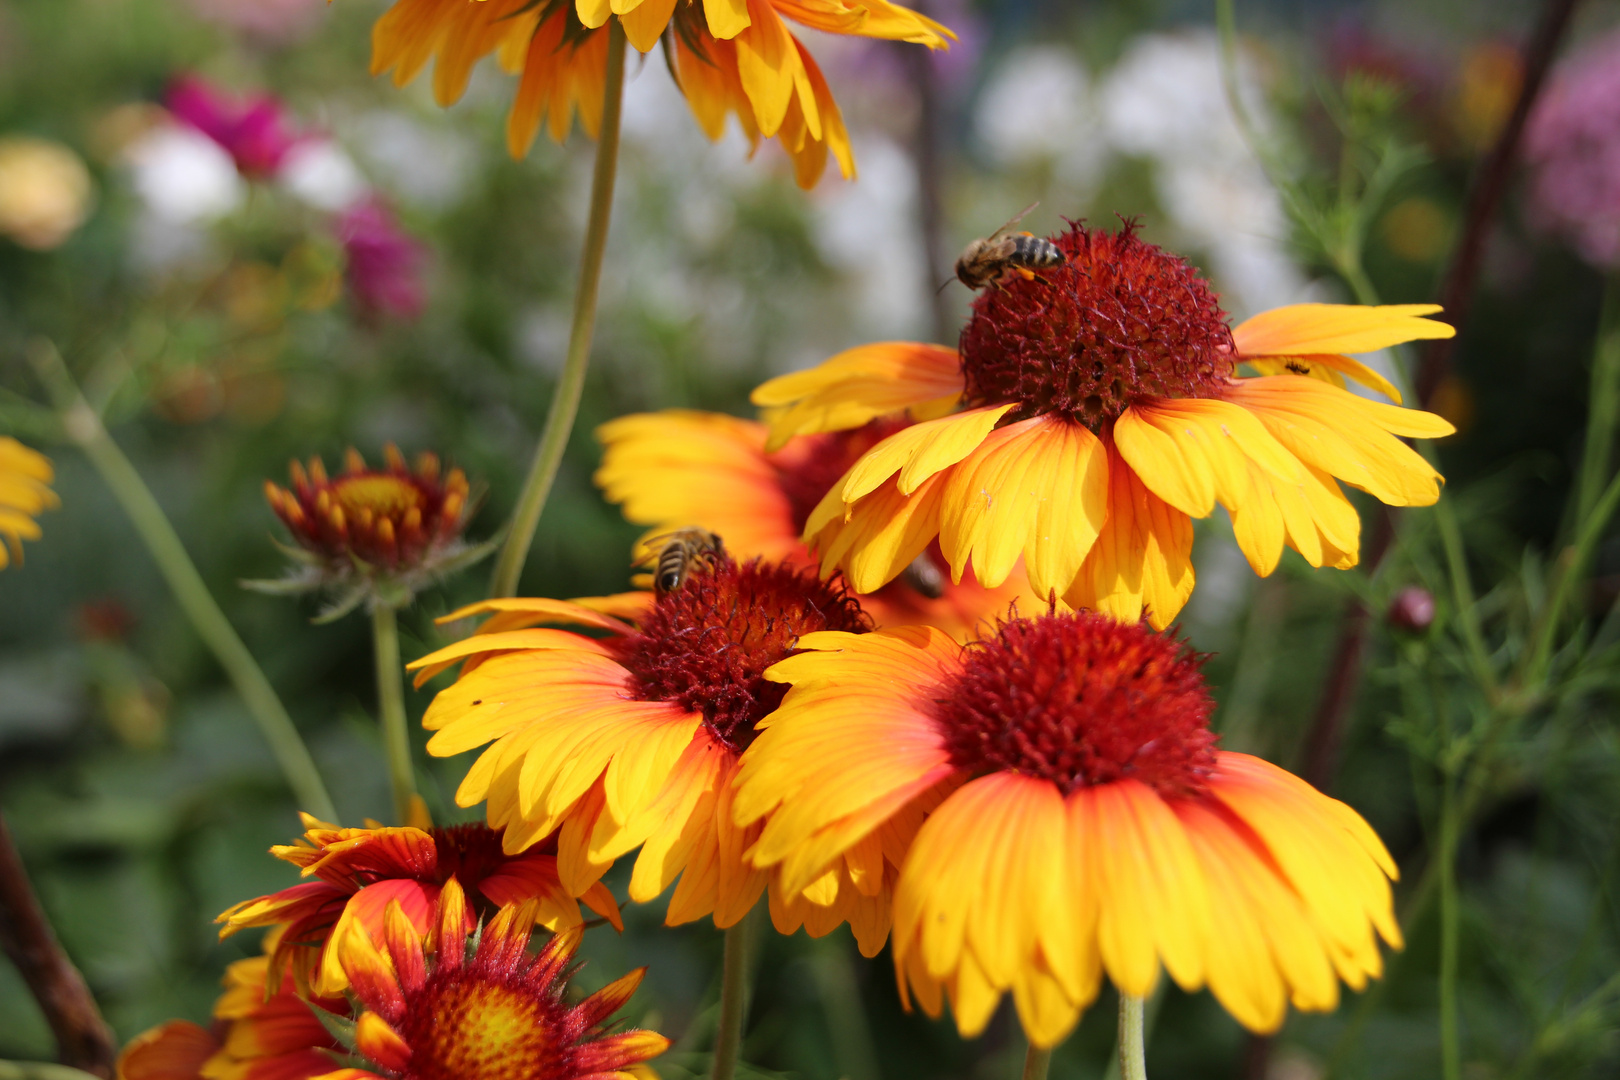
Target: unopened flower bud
<point>1412,609</point>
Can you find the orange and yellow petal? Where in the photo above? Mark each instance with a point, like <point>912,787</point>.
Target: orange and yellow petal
<point>25,492</point>
<point>1314,329</point>
<point>1141,564</point>
<point>1327,368</point>
<point>860,385</point>
<point>172,1051</point>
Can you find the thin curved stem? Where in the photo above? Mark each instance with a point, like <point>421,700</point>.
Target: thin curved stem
<point>391,710</point>
<point>85,429</point>
<point>1450,1038</point>
<point>733,1000</point>
<point>548,452</point>
<point>1036,1063</point>
<point>1132,1052</point>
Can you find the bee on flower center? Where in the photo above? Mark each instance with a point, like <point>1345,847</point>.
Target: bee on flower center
<point>987,261</point>
<point>682,550</point>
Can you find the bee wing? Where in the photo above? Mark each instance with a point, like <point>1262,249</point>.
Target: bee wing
<point>1016,219</point>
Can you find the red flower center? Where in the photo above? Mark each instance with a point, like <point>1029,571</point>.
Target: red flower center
<point>1081,699</point>
<point>705,646</point>
<point>1120,321</point>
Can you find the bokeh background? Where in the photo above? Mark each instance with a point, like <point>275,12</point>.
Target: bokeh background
<point>389,274</point>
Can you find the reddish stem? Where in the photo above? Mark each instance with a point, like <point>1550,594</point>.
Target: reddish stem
<point>83,1039</point>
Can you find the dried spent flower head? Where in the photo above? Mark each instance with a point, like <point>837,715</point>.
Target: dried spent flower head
<point>372,534</point>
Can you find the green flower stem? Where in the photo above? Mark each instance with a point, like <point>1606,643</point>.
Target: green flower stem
<point>42,1070</point>
<point>1605,406</point>
<point>1036,1063</point>
<point>1132,1052</point>
<point>733,998</point>
<point>565,400</point>
<point>391,710</point>
<point>1450,1042</point>
<point>85,429</point>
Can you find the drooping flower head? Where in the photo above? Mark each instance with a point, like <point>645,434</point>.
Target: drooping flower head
<point>382,262</point>
<point>678,468</point>
<point>632,739</point>
<point>728,57</point>
<point>377,534</point>
<point>25,492</point>
<point>484,1011</point>
<point>358,873</point>
<point>1572,142</point>
<point>1100,409</point>
<point>254,130</point>
<point>256,1035</point>
<point>1088,823</point>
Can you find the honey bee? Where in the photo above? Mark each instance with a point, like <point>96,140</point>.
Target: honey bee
<point>682,550</point>
<point>985,262</point>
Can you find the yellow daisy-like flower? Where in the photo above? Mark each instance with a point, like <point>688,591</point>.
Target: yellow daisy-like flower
<point>1099,410</point>
<point>728,56</point>
<point>632,739</point>
<point>677,468</point>
<point>25,492</point>
<point>1088,823</point>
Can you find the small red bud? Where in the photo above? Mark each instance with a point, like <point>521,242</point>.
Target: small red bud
<point>1412,609</point>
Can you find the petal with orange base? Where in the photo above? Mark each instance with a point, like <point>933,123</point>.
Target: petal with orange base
<point>1304,329</point>
<point>858,386</point>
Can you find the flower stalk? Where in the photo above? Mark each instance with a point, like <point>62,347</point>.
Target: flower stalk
<point>565,399</point>
<point>1036,1062</point>
<point>1132,1052</point>
<point>733,999</point>
<point>391,709</point>
<point>1598,453</point>
<point>85,430</point>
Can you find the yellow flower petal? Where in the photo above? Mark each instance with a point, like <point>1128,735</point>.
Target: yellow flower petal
<point>1308,329</point>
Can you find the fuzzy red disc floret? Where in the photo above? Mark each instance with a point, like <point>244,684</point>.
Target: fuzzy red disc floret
<point>1080,699</point>
<point>1120,321</point>
<point>705,646</point>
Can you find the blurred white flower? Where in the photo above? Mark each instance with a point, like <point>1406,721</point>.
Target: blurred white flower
<point>322,174</point>
<point>1039,107</point>
<point>45,192</point>
<point>1164,100</point>
<point>869,230</point>
<point>425,165</point>
<point>183,176</point>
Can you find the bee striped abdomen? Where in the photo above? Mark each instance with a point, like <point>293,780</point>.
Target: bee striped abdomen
<point>1035,253</point>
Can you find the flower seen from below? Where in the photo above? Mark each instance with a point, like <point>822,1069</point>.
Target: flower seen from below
<point>256,1035</point>
<point>357,873</point>
<point>678,468</point>
<point>372,534</point>
<point>254,131</point>
<point>45,192</point>
<point>728,57</point>
<point>490,1011</point>
<point>1100,409</point>
<point>632,739</point>
<point>25,492</point>
<point>1088,824</point>
<point>382,263</point>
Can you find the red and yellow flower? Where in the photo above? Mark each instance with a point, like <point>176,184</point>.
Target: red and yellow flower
<point>488,1013</point>
<point>359,872</point>
<point>730,57</point>
<point>632,739</point>
<point>1091,413</point>
<point>25,492</point>
<point>680,468</point>
<point>256,1035</point>
<point>1081,821</point>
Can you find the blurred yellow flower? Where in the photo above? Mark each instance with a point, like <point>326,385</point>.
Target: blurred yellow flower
<point>25,478</point>
<point>728,56</point>
<point>45,192</point>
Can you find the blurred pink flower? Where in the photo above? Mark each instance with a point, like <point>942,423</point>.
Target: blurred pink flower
<point>384,268</point>
<point>254,131</point>
<point>1573,147</point>
<point>276,21</point>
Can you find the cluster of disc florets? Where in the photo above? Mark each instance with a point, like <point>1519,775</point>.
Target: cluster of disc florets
<point>705,645</point>
<point>377,534</point>
<point>1120,321</point>
<point>1080,699</point>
